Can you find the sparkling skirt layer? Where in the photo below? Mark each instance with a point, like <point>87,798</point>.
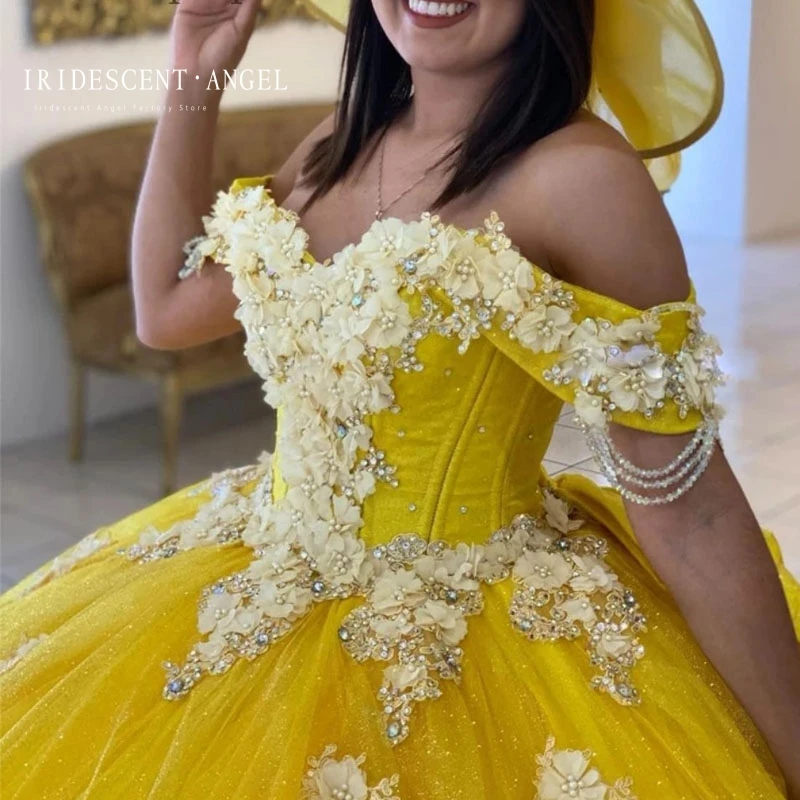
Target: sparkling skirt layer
<point>83,714</point>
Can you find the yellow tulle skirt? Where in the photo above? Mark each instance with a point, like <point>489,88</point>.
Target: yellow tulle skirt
<point>83,714</point>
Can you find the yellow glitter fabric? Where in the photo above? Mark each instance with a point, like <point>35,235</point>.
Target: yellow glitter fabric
<point>83,709</point>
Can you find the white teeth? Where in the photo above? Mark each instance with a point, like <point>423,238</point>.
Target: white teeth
<point>434,9</point>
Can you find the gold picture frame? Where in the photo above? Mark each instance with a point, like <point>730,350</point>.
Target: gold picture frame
<point>53,20</point>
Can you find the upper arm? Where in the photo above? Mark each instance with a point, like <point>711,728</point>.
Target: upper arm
<point>202,309</point>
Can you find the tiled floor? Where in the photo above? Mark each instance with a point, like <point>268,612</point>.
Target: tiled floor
<point>752,297</point>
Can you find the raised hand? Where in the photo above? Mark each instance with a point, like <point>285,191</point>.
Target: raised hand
<point>211,35</point>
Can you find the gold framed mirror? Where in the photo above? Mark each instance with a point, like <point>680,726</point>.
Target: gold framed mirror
<point>53,20</point>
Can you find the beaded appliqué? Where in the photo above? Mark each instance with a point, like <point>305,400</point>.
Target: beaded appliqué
<point>25,646</point>
<point>421,592</point>
<point>329,778</point>
<point>565,590</point>
<point>633,374</point>
<point>560,775</point>
<point>67,560</point>
<point>223,520</point>
<point>569,775</point>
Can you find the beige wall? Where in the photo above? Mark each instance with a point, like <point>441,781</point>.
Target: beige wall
<point>773,162</point>
<point>34,367</point>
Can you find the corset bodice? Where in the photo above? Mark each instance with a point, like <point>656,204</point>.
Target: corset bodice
<point>418,374</point>
<point>464,443</point>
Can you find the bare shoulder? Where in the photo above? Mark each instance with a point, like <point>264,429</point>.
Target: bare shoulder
<point>287,176</point>
<point>584,197</point>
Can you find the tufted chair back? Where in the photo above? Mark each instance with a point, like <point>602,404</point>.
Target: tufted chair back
<point>84,191</point>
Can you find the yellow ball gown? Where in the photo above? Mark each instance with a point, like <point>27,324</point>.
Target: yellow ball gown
<point>399,602</point>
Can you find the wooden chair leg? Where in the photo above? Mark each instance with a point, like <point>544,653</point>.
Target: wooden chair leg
<point>171,407</point>
<point>77,409</point>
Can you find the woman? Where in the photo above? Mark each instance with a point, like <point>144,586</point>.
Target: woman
<point>400,602</point>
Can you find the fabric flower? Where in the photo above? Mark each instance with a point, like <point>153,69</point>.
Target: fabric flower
<point>590,409</point>
<point>556,513</point>
<point>585,353</point>
<point>388,322</point>
<point>460,269</point>
<point>507,280</point>
<point>219,608</point>
<point>447,621</point>
<point>540,570</point>
<point>335,779</point>
<point>578,608</point>
<point>637,329</point>
<point>613,643</point>
<point>394,591</point>
<point>592,574</point>
<point>638,388</point>
<point>570,776</point>
<point>403,676</point>
<point>543,329</point>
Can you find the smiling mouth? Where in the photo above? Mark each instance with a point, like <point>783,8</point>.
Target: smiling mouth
<point>436,10</point>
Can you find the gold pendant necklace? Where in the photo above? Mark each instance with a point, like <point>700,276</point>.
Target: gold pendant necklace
<point>381,207</point>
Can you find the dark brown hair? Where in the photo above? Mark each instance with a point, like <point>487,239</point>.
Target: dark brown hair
<point>546,82</point>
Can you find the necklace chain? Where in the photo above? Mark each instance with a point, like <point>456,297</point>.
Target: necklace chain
<point>383,208</point>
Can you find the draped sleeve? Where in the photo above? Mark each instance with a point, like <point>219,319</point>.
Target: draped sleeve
<point>651,369</point>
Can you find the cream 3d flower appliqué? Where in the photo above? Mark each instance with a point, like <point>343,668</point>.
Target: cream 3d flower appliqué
<point>569,775</point>
<point>329,778</point>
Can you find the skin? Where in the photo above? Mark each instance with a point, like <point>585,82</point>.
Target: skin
<point>707,547</point>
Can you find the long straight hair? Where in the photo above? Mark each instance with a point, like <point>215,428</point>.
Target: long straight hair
<point>547,81</point>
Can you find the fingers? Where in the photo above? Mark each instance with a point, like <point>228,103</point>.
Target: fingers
<point>246,15</point>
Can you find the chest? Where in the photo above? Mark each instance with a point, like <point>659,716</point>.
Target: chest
<point>343,215</point>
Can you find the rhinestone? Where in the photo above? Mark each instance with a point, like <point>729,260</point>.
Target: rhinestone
<point>463,509</point>
<point>393,730</point>
<point>344,634</point>
<point>412,506</point>
<point>175,686</point>
<point>562,543</point>
<point>451,596</point>
<point>318,587</point>
<point>481,429</point>
<point>358,300</point>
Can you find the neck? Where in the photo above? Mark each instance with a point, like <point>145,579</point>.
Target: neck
<point>443,103</point>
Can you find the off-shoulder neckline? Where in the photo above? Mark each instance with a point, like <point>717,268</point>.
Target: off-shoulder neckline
<point>539,272</point>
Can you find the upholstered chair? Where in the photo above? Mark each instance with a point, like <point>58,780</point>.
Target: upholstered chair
<point>83,192</point>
